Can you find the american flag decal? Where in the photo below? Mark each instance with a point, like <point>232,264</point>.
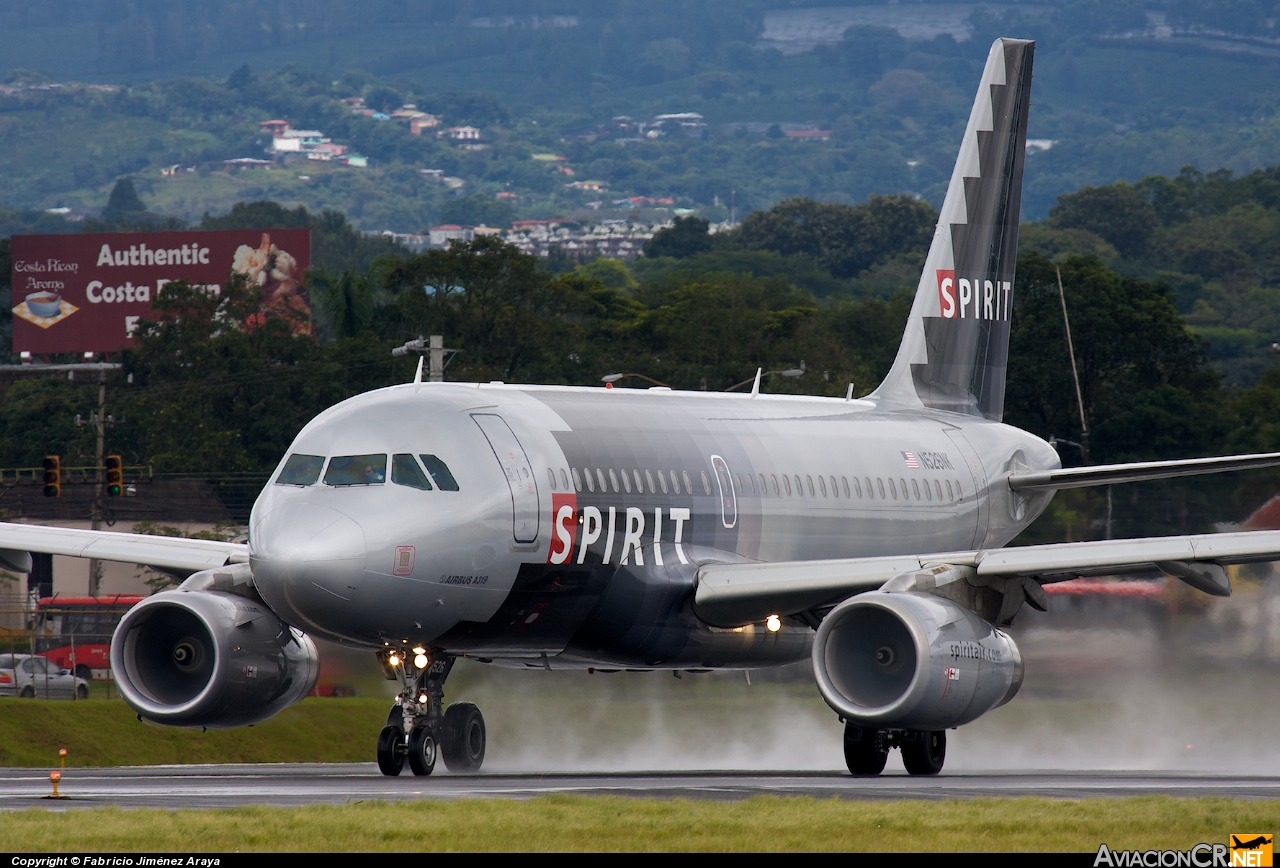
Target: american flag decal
<point>912,462</point>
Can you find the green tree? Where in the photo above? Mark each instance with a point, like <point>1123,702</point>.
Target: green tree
<point>844,239</point>
<point>1118,214</point>
<point>241,78</point>
<point>511,320</point>
<point>123,202</point>
<point>1148,390</point>
<point>478,210</point>
<point>684,237</point>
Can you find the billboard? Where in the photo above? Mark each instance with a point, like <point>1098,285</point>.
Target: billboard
<point>87,293</point>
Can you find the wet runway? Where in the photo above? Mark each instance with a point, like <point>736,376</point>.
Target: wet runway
<point>199,786</point>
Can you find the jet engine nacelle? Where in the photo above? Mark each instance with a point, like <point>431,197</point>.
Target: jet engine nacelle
<point>211,653</point>
<point>887,660</point>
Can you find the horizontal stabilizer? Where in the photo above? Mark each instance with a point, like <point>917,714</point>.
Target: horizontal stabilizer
<point>165,553</point>
<point>1113,474</point>
<point>735,594</point>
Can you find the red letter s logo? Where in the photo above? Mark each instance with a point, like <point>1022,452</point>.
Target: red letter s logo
<point>947,293</point>
<point>564,527</point>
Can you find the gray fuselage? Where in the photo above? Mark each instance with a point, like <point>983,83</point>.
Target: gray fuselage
<point>582,515</point>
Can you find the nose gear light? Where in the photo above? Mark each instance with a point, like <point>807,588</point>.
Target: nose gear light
<point>774,623</point>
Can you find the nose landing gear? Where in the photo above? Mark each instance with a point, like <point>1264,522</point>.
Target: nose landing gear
<point>419,728</point>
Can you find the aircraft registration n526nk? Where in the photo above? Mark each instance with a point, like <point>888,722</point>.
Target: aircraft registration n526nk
<point>566,528</point>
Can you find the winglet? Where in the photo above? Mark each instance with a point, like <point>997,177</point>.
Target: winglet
<point>755,387</point>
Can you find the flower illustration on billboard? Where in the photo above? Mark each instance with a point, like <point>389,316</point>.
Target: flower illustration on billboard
<point>277,273</point>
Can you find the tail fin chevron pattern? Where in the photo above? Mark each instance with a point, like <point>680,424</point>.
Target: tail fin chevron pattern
<point>956,344</point>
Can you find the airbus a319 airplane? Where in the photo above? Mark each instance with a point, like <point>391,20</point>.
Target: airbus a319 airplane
<point>560,527</point>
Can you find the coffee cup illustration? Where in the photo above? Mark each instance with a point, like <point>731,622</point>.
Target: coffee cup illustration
<point>44,303</point>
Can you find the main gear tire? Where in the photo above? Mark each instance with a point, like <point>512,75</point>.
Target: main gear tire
<point>422,750</point>
<point>924,751</point>
<point>391,750</point>
<point>463,741</point>
<point>863,752</point>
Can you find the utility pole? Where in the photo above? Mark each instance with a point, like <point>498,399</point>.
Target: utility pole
<point>1075,376</point>
<point>100,422</point>
<point>437,359</point>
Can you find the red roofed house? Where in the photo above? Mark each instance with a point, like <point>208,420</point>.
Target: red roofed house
<point>275,127</point>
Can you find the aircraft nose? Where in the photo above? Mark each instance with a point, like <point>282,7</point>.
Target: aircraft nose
<point>308,559</point>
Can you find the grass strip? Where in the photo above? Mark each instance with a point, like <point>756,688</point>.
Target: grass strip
<point>108,733</point>
<point>586,823</point>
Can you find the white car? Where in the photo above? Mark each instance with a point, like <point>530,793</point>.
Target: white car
<point>30,676</point>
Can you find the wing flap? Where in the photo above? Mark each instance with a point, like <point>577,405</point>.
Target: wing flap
<point>169,553</point>
<point>734,594</point>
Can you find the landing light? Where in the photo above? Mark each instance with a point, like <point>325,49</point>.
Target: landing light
<point>774,623</point>
<point>418,649</point>
<point>393,659</point>
<point>423,698</point>
<point>421,661</point>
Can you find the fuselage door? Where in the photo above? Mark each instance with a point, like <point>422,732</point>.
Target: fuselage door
<point>515,466</point>
<point>728,498</point>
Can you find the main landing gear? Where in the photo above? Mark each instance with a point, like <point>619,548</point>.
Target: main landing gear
<point>420,729</point>
<point>866,750</point>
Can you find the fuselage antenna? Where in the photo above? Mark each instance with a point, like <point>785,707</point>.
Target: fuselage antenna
<point>417,377</point>
<point>755,387</point>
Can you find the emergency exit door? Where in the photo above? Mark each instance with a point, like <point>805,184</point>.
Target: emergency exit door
<point>520,479</point>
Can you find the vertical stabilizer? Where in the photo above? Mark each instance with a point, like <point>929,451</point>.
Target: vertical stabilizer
<point>956,343</point>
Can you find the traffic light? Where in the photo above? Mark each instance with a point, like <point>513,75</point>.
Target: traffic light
<point>115,475</point>
<point>52,476</point>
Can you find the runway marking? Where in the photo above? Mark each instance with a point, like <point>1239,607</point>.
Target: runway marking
<point>201,786</point>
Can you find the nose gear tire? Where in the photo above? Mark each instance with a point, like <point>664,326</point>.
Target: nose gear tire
<point>422,750</point>
<point>864,753</point>
<point>391,750</point>
<point>924,752</point>
<point>462,741</point>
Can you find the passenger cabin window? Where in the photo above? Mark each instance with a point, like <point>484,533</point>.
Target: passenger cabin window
<point>301,470</point>
<point>439,472</point>
<point>662,479</point>
<point>551,475</point>
<point>786,480</point>
<point>577,480</point>
<point>648,477</point>
<point>356,470</point>
<point>405,471</point>
<point>688,486</point>
<point>635,474</point>
<point>706,483</point>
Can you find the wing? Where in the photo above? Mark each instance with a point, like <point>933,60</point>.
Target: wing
<point>168,554</point>
<point>735,594</point>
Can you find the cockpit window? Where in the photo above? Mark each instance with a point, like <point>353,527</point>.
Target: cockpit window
<point>405,471</point>
<point>301,470</point>
<point>439,472</point>
<point>356,470</point>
